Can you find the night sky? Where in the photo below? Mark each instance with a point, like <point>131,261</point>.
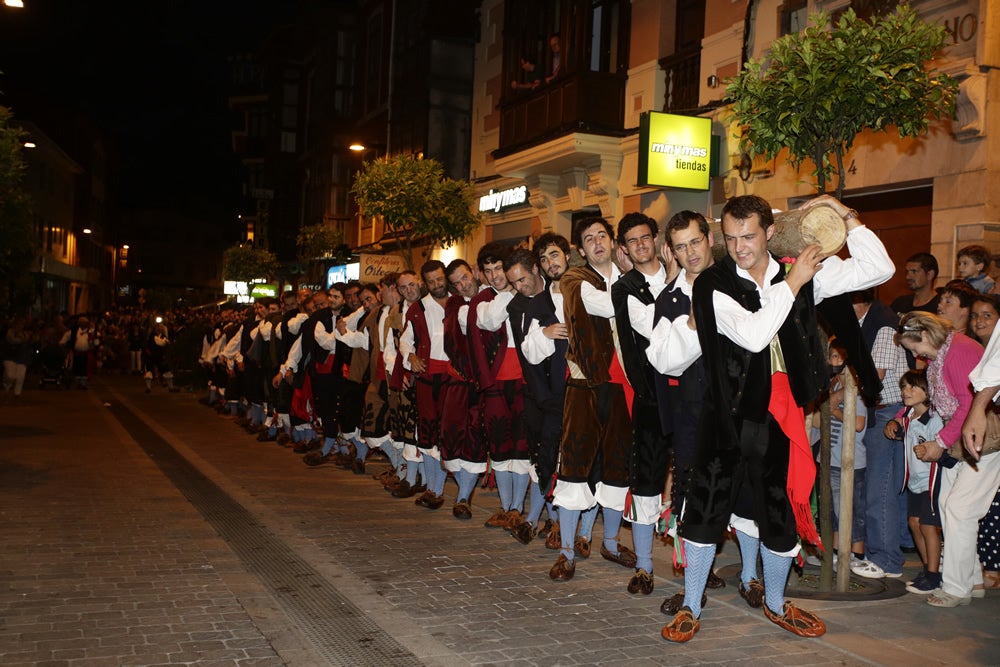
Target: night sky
<point>154,75</point>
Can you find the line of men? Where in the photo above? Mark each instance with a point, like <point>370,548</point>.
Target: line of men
<point>583,387</point>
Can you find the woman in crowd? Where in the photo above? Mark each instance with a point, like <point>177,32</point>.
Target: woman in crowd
<point>956,305</point>
<point>983,319</point>
<point>951,357</point>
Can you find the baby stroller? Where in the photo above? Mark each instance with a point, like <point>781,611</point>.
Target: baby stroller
<point>52,359</point>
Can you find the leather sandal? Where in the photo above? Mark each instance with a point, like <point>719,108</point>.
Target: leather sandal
<point>553,540</point>
<point>641,582</point>
<point>581,547</point>
<point>753,593</point>
<point>682,628</point>
<point>675,603</point>
<point>563,570</point>
<point>797,621</point>
<point>625,556</point>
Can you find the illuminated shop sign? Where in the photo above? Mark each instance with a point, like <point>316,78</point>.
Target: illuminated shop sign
<point>503,199</point>
<point>675,151</point>
<point>342,273</point>
<point>264,290</point>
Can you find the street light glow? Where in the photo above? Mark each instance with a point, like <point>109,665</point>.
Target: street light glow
<point>86,230</point>
<point>29,144</point>
<point>14,3</point>
<point>125,247</point>
<point>356,147</point>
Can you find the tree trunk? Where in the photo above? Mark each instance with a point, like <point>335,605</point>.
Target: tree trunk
<point>846,517</point>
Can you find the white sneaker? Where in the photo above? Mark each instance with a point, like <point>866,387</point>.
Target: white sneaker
<point>869,570</point>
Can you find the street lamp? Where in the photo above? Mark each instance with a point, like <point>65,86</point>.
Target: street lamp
<point>16,4</point>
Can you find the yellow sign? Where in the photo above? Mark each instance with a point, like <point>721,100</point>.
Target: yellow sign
<point>675,151</point>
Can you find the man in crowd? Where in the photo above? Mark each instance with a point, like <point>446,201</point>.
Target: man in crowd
<point>597,430</point>
<point>675,353</point>
<point>522,274</point>
<point>544,348</point>
<point>402,391</point>
<point>885,508</point>
<point>501,386</point>
<point>463,452</point>
<point>921,272</point>
<point>633,297</point>
<point>753,465</point>
<point>422,350</point>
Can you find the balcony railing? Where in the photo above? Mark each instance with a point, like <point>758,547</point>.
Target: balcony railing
<point>683,72</point>
<point>591,102</point>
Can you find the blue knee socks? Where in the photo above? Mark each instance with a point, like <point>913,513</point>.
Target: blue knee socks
<point>520,491</point>
<point>360,449</point>
<point>436,473</point>
<point>587,519</point>
<point>612,524</point>
<point>568,520</point>
<point>466,484</point>
<point>699,564</point>
<point>411,472</point>
<point>328,444</point>
<point>537,503</point>
<point>749,549</point>
<point>775,576</point>
<point>505,487</point>
<point>642,539</point>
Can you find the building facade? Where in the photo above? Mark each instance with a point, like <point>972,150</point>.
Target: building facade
<point>572,142</point>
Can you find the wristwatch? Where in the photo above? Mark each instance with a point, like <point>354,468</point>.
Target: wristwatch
<point>851,213</point>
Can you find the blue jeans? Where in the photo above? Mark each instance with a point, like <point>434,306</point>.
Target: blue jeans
<point>885,513</point>
<point>858,511</point>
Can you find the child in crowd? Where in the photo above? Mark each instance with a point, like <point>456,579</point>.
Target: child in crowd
<point>973,261</point>
<point>916,424</point>
<point>838,364</point>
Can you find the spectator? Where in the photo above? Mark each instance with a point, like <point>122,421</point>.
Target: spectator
<point>16,355</point>
<point>556,49</point>
<point>973,260</point>
<point>983,318</point>
<point>915,425</point>
<point>885,507</point>
<point>955,305</point>
<point>531,78</point>
<point>965,497</point>
<point>921,272</point>
<point>838,364</point>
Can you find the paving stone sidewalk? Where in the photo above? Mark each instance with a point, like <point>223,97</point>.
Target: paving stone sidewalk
<point>453,592</point>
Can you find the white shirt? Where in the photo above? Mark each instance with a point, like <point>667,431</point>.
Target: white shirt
<point>987,371</point>
<point>434,316</point>
<point>674,346</point>
<point>536,346</point>
<point>389,351</point>
<point>491,315</point>
<point>640,314</point>
<point>868,265</point>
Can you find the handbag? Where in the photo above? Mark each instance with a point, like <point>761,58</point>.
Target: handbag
<point>991,439</point>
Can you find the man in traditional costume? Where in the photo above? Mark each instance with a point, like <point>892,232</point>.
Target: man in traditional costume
<point>501,386</point>
<point>597,428</point>
<point>633,297</point>
<point>544,348</point>
<point>422,351</point>
<point>753,466</point>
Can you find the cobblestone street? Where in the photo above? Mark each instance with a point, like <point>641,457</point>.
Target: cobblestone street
<point>145,529</point>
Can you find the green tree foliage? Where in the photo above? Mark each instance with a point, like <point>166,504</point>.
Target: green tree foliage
<point>245,263</point>
<point>321,242</point>
<point>416,201</point>
<point>19,245</point>
<point>818,89</point>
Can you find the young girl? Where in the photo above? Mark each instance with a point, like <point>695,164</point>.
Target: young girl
<point>916,424</point>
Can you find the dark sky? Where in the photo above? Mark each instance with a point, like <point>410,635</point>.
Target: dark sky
<point>153,74</point>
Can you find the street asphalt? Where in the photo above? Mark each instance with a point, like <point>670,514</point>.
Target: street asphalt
<point>145,529</point>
